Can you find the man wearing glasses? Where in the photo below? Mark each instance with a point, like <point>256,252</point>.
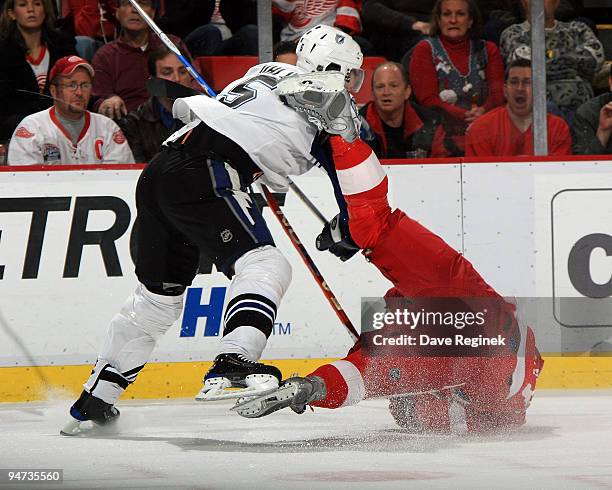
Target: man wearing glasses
<point>67,133</point>
<point>506,130</point>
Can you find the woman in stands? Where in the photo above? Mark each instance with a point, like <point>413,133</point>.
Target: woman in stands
<point>29,46</point>
<point>456,71</point>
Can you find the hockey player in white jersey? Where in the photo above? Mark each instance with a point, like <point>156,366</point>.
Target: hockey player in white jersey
<point>192,198</point>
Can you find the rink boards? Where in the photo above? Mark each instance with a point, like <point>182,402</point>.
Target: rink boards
<point>533,229</point>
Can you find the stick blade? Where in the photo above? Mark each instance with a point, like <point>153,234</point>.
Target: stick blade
<point>160,87</point>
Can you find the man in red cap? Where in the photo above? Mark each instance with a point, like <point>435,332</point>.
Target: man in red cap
<point>67,133</point>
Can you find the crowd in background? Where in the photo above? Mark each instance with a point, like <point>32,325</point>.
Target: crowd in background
<point>457,80</point>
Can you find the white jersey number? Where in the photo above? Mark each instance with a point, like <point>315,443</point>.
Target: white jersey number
<point>245,92</point>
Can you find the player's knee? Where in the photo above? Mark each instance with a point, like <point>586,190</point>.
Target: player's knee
<point>264,269</point>
<point>151,312</point>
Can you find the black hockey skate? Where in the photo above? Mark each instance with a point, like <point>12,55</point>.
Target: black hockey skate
<point>234,376</point>
<point>295,393</point>
<point>88,413</point>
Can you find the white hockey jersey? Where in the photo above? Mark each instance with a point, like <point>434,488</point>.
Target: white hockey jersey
<point>40,138</point>
<point>276,137</point>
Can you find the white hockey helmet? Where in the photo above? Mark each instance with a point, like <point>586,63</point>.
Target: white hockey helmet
<point>325,48</point>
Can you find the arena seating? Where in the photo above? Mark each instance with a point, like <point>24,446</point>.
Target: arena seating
<point>218,71</point>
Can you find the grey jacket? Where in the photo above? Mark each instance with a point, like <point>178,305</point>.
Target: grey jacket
<point>573,56</point>
<point>584,127</point>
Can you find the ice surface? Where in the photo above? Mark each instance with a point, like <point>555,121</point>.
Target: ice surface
<point>567,443</point>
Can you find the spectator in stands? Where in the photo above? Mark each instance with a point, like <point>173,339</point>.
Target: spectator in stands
<point>497,15</point>
<point>507,130</point>
<point>592,125</point>
<point>231,31</point>
<point>394,127</point>
<point>94,24</point>
<point>68,133</point>
<point>181,17</point>
<point>284,52</point>
<point>395,26</point>
<point>574,10</point>
<point>147,127</point>
<point>298,17</point>
<point>573,56</point>
<point>121,65</point>
<point>456,71</point>
<point>29,46</point>
<point>193,22</point>
<point>301,16</point>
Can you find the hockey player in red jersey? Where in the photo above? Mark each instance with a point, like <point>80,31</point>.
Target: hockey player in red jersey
<point>429,393</point>
<point>442,394</point>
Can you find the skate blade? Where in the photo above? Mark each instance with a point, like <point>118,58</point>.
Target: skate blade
<point>87,428</point>
<point>255,407</point>
<point>221,388</point>
<point>78,428</point>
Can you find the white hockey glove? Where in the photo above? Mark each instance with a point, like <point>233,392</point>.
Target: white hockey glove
<point>323,100</point>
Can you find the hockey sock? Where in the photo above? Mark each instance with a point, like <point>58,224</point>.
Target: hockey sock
<point>261,279</point>
<point>343,382</point>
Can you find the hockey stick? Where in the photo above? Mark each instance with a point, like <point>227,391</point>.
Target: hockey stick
<point>172,47</point>
<point>316,274</point>
<point>24,348</point>
<point>307,202</point>
<point>160,87</point>
<point>42,96</point>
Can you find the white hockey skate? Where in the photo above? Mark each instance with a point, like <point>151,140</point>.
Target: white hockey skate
<point>90,415</point>
<point>234,376</point>
<point>87,428</point>
<point>295,393</point>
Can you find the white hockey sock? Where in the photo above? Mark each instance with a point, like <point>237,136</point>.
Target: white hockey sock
<point>262,277</point>
<point>248,341</point>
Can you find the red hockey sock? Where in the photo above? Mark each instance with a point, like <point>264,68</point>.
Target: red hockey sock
<point>336,387</point>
